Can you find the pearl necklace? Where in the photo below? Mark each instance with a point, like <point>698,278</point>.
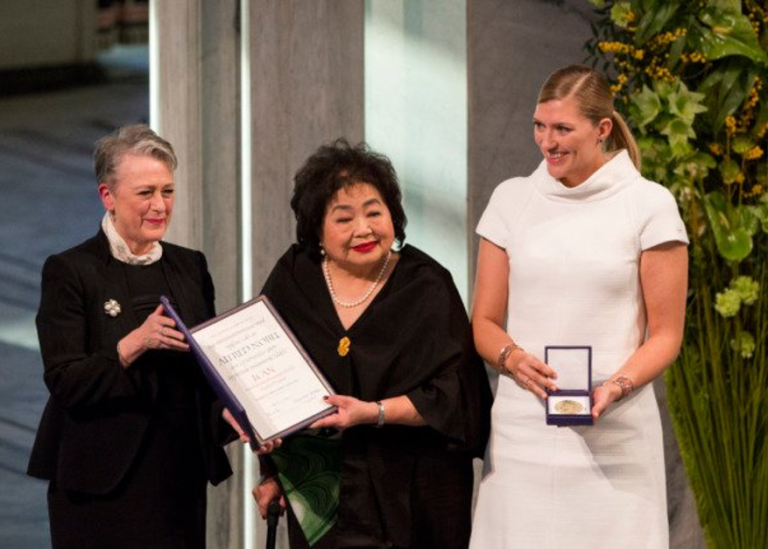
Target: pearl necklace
<point>351,304</point>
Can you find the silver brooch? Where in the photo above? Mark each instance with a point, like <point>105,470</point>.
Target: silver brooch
<point>112,308</point>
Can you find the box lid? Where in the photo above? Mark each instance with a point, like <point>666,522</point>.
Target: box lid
<point>573,365</point>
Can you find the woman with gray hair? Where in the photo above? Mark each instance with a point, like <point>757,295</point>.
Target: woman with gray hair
<point>131,433</point>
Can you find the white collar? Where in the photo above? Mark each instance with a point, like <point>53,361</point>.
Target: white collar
<point>610,178</point>
<point>120,249</point>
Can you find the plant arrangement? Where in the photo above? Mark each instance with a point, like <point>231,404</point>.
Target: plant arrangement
<point>691,77</point>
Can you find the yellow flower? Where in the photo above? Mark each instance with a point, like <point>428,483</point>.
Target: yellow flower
<point>616,48</point>
<point>639,54</point>
<point>730,125</point>
<point>739,178</point>
<point>754,153</point>
<point>716,149</point>
<point>697,57</point>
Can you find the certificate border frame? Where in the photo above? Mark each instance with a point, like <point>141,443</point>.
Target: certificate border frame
<point>296,344</point>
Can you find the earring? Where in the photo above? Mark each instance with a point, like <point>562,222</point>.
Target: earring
<point>322,251</point>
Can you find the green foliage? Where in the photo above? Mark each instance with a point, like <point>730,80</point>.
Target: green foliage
<point>726,33</point>
<point>689,77</point>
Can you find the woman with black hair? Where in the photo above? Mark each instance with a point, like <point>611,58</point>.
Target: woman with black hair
<point>387,327</point>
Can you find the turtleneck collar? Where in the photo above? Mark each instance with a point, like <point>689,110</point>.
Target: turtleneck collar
<point>610,178</point>
<point>120,249</point>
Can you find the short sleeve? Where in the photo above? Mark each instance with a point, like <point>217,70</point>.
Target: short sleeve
<point>493,225</point>
<point>658,217</point>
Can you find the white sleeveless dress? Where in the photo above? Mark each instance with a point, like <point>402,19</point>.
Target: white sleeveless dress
<point>574,280</point>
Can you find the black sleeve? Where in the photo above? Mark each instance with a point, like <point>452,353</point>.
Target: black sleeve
<point>456,400</point>
<point>76,376</point>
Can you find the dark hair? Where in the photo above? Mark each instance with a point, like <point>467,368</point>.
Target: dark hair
<point>593,95</point>
<point>336,166</point>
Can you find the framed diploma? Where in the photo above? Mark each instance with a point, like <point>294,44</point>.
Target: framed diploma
<point>258,369</point>
<point>571,404</point>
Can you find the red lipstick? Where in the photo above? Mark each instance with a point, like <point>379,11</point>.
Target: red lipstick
<point>365,248</point>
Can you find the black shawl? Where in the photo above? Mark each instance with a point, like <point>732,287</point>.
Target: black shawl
<point>413,339</point>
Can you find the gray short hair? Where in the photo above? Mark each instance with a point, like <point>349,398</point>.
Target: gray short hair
<point>136,139</point>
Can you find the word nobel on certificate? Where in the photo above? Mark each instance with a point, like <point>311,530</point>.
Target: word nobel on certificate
<point>259,370</point>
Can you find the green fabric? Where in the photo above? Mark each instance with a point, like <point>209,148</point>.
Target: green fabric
<point>309,468</point>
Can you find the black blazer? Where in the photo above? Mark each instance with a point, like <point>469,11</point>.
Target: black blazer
<point>98,411</point>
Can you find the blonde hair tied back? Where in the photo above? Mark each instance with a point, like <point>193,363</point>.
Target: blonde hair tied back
<point>592,93</point>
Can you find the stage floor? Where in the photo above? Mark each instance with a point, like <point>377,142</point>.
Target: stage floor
<point>48,202</point>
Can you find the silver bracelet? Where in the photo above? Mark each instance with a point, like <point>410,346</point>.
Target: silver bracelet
<point>380,422</point>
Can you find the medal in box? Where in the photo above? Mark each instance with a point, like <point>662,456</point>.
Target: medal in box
<point>571,404</point>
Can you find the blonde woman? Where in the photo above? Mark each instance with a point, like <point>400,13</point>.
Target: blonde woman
<point>584,251</point>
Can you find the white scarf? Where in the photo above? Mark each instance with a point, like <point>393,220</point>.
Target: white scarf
<point>120,249</point>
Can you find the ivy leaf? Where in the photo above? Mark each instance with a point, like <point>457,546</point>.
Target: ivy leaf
<point>644,107</point>
<point>729,169</point>
<point>732,239</point>
<point>748,220</point>
<point>696,166</point>
<point>621,14</point>
<point>742,144</point>
<point>597,3</point>
<point>760,212</point>
<point>678,131</point>
<point>657,157</point>
<point>729,33</point>
<point>685,103</point>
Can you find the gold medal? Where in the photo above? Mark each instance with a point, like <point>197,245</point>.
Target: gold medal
<point>569,407</point>
<point>344,344</point>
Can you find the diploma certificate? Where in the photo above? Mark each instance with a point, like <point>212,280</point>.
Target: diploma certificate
<point>258,368</point>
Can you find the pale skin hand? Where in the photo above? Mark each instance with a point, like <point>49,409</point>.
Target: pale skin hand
<point>265,448</point>
<point>157,332</point>
<point>663,276</point>
<point>352,411</point>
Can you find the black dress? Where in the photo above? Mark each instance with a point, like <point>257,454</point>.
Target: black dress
<point>160,503</point>
<point>400,486</point>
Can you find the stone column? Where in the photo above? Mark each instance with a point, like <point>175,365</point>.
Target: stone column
<point>306,62</point>
<point>306,65</point>
<point>195,96</point>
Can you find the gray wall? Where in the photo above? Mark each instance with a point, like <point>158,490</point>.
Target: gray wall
<point>40,33</point>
